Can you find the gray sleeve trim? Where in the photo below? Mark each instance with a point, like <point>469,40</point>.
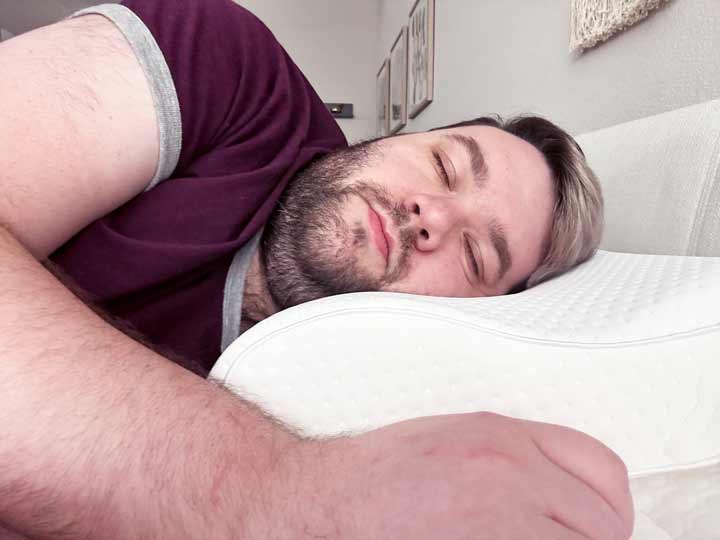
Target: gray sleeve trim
<point>234,289</point>
<point>152,60</point>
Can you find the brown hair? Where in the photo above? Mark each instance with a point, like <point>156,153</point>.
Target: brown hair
<point>578,214</point>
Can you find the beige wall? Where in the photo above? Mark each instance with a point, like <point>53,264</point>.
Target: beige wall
<point>512,56</point>
<point>19,16</point>
<point>5,34</point>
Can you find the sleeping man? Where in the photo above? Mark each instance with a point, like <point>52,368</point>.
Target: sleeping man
<point>174,165</point>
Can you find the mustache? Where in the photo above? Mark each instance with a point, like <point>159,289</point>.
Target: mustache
<point>367,190</point>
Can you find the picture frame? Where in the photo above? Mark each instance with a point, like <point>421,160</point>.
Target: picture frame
<point>398,82</point>
<point>421,56</point>
<point>5,35</point>
<point>382,99</point>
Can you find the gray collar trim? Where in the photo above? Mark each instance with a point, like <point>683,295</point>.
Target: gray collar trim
<point>234,290</point>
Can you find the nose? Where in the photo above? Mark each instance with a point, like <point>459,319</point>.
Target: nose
<point>432,218</point>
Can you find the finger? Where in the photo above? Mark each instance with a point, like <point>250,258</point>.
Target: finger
<point>590,462</point>
<point>577,506</point>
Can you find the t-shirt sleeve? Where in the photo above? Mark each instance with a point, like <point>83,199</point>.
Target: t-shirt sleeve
<point>215,71</point>
<point>160,81</point>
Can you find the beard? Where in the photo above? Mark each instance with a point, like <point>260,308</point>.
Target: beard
<point>308,250</point>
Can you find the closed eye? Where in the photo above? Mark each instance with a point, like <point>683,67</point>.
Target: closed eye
<point>441,169</point>
<point>472,262</point>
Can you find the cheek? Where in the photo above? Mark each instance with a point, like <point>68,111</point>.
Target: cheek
<point>434,275</point>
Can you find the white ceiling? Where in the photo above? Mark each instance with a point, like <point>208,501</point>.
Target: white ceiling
<point>19,16</point>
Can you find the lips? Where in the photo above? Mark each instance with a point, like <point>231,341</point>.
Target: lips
<point>380,237</point>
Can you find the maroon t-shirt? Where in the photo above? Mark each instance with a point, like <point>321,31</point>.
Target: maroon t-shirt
<point>250,120</point>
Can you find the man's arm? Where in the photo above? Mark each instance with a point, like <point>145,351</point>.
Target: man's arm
<point>78,129</point>
<point>102,438</point>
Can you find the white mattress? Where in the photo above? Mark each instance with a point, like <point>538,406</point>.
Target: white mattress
<point>625,348</point>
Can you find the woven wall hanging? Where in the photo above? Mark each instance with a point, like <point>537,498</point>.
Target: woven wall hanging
<point>595,21</point>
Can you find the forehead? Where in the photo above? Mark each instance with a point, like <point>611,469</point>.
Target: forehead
<point>505,155</point>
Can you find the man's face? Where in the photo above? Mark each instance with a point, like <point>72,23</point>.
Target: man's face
<point>461,212</point>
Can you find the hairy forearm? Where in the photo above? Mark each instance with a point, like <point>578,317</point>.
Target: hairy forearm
<point>102,438</point>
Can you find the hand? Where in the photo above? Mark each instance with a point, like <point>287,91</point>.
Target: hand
<point>472,476</point>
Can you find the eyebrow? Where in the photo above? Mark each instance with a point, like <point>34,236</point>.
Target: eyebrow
<point>478,166</point>
<point>499,242</point>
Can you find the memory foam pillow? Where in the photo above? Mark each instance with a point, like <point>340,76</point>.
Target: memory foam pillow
<point>625,348</point>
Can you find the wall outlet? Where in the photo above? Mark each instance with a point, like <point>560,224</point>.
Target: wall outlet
<point>341,110</point>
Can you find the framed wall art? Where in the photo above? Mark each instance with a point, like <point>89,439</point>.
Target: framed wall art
<point>5,35</point>
<point>398,82</point>
<point>382,99</point>
<point>421,56</point>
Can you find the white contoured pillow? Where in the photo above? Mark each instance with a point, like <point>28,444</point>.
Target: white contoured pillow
<point>625,348</point>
